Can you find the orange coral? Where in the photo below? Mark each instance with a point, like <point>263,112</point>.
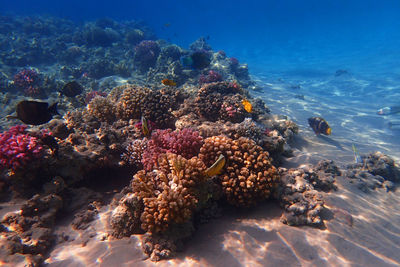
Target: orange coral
<point>248,176</point>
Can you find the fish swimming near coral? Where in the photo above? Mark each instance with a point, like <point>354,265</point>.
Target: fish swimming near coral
<point>247,105</point>
<point>357,157</point>
<point>145,126</point>
<point>35,112</point>
<point>216,168</point>
<point>389,110</point>
<point>196,60</point>
<point>319,126</point>
<point>71,89</point>
<point>168,82</point>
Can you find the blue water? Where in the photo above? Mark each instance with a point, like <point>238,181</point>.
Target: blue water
<point>269,35</point>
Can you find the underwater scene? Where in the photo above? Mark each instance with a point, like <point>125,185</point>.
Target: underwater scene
<point>200,133</point>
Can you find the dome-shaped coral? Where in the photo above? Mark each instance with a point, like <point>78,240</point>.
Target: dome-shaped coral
<point>248,176</point>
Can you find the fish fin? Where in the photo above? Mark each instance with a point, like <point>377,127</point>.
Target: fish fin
<point>216,168</point>
<point>53,109</point>
<point>11,117</point>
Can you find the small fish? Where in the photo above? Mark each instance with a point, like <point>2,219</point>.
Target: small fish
<point>247,105</point>
<point>357,157</point>
<point>35,112</point>
<point>166,25</point>
<point>389,110</point>
<point>168,82</point>
<point>145,126</point>
<point>319,125</point>
<point>71,89</point>
<point>216,168</point>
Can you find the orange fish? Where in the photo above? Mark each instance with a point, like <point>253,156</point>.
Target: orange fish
<point>247,105</point>
<point>168,82</point>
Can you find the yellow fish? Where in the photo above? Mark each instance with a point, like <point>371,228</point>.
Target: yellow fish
<point>145,127</point>
<point>168,82</point>
<point>247,105</point>
<point>216,168</point>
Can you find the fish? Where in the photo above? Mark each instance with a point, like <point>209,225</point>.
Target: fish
<point>389,110</point>
<point>319,125</point>
<point>35,112</point>
<point>71,89</point>
<point>216,168</point>
<point>145,126</point>
<point>357,157</point>
<point>168,82</point>
<point>247,105</point>
<point>186,61</point>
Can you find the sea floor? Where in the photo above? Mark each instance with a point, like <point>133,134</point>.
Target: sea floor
<point>360,229</point>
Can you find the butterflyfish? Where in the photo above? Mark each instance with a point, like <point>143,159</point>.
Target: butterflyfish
<point>357,157</point>
<point>145,126</point>
<point>216,168</point>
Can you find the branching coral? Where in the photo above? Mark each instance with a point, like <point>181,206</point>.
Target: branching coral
<point>186,143</point>
<point>102,108</point>
<point>18,147</point>
<point>248,176</point>
<point>168,194</point>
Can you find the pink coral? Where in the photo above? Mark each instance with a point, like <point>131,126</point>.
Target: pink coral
<point>27,80</point>
<point>186,143</point>
<point>212,76</point>
<point>17,147</point>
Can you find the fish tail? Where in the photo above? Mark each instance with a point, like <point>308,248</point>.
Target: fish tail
<point>53,109</point>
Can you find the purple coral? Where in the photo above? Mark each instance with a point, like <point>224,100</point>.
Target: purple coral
<point>186,143</point>
<point>17,147</point>
<point>27,80</point>
<point>212,76</point>
<point>146,54</point>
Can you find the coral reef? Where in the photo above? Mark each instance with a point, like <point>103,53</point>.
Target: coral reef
<point>28,81</point>
<point>248,176</point>
<point>376,170</point>
<point>299,192</point>
<point>30,230</point>
<point>146,54</point>
<point>18,148</point>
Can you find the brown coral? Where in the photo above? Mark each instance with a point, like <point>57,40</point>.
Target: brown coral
<point>248,176</point>
<point>129,105</point>
<point>168,194</point>
<point>102,108</point>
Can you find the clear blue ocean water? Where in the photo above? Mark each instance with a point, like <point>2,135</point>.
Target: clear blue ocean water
<point>269,35</point>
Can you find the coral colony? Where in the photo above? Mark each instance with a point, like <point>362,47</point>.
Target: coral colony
<point>18,148</point>
<point>27,81</point>
<point>183,152</point>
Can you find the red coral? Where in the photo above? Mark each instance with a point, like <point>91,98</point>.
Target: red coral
<point>186,143</point>
<point>17,147</point>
